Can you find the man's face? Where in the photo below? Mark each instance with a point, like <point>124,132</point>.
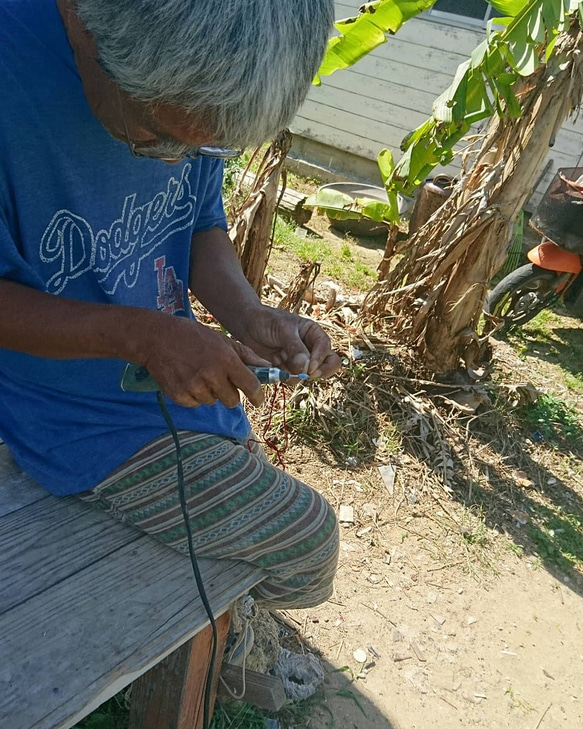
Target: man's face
<point>160,132</point>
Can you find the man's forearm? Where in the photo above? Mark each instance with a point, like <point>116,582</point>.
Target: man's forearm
<point>48,326</point>
<point>218,282</point>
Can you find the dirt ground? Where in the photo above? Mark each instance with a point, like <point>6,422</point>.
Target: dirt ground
<point>486,635</point>
<point>446,645</point>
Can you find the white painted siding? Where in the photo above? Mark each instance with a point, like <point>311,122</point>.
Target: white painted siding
<point>377,102</point>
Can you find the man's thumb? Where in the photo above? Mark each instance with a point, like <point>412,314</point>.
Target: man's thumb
<point>296,357</point>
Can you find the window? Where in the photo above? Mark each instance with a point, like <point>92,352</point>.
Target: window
<point>473,11</point>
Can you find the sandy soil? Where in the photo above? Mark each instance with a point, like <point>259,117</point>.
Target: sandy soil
<point>487,637</point>
<point>447,645</point>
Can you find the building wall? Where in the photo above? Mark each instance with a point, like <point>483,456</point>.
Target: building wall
<point>357,112</point>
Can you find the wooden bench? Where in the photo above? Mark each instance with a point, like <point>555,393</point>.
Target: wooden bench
<point>88,605</point>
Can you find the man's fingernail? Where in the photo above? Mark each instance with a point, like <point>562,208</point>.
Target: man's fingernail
<point>315,375</point>
<point>301,363</point>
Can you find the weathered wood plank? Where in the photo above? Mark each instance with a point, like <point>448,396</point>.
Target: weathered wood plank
<point>397,95</point>
<point>346,142</point>
<point>421,79</point>
<point>172,693</point>
<point>265,692</point>
<point>442,36</point>
<point>69,649</point>
<point>50,540</point>
<point>420,55</point>
<point>569,142</point>
<point>290,205</point>
<point>17,489</point>
<point>353,124</point>
<point>372,109</point>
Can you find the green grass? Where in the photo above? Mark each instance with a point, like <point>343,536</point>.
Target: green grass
<point>558,536</point>
<point>333,263</point>
<point>228,715</point>
<point>114,714</point>
<point>356,275</point>
<point>233,168</point>
<point>556,420</point>
<point>517,703</point>
<point>574,383</point>
<point>231,715</point>
<point>556,339</point>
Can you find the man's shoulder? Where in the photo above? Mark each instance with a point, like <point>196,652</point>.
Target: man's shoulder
<point>31,31</point>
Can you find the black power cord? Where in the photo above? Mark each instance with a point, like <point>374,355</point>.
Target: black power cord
<point>194,561</point>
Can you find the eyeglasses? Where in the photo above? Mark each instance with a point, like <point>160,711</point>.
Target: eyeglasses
<point>171,150</point>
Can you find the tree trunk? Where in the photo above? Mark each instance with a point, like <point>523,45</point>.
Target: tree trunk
<point>437,291</point>
<point>251,232</point>
<point>385,264</point>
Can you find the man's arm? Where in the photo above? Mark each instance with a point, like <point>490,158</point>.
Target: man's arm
<point>193,364</point>
<point>49,326</point>
<point>218,282</point>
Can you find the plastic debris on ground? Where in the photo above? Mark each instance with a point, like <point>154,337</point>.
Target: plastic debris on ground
<point>302,675</point>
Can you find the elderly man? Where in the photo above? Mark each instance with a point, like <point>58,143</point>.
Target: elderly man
<point>100,240</point>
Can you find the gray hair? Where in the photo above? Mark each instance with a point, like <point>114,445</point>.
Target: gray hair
<point>243,67</point>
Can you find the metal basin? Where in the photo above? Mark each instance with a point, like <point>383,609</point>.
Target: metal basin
<point>362,227</point>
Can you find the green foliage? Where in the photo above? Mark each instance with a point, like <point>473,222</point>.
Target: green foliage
<point>233,168</point>
<point>357,275</point>
<point>484,85</point>
<point>362,34</point>
<point>338,204</point>
<point>516,46</point>
<point>231,715</point>
<point>508,7</point>
<point>556,420</point>
<point>551,337</point>
<point>114,714</point>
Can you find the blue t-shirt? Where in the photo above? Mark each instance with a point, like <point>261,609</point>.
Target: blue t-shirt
<point>81,218</point>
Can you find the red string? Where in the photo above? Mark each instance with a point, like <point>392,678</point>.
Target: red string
<point>267,441</point>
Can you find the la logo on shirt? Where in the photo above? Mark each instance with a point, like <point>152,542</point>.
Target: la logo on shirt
<point>170,297</point>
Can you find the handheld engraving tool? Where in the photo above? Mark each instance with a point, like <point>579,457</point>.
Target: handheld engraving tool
<point>136,378</point>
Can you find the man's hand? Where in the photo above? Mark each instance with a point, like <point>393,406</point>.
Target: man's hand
<point>287,341</point>
<point>195,365</point>
<point>290,342</point>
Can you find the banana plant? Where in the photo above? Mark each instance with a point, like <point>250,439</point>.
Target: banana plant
<point>357,37</point>
<point>516,44</point>
<point>360,35</point>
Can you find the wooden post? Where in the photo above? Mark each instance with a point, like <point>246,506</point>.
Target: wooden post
<point>171,695</point>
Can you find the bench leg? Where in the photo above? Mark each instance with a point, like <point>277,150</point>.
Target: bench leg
<point>171,695</point>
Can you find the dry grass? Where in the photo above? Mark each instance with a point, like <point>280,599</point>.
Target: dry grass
<point>466,455</point>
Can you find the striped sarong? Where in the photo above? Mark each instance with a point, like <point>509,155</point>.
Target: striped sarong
<point>241,508</point>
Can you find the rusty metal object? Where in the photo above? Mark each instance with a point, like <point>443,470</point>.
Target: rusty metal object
<point>432,194</point>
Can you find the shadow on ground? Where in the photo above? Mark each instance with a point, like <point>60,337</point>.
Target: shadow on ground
<point>557,344</point>
<point>518,481</point>
<point>372,243</point>
<point>342,705</point>
<point>541,512</point>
